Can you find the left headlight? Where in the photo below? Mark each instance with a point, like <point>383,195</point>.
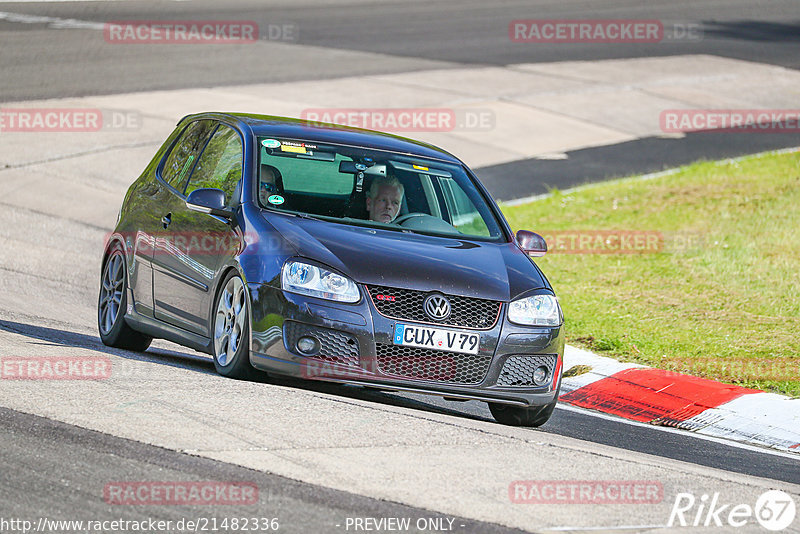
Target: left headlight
<point>538,310</point>
<point>307,279</point>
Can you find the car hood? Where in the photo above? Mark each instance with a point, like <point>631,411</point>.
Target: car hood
<point>497,271</point>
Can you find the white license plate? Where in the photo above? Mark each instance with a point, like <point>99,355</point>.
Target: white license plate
<point>436,338</point>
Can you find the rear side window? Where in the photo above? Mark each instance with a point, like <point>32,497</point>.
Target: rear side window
<point>179,162</point>
<point>220,164</point>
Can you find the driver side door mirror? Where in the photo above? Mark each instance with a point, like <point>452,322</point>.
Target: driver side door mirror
<point>531,243</point>
<point>209,200</point>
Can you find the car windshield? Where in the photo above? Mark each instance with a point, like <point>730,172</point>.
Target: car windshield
<point>372,188</point>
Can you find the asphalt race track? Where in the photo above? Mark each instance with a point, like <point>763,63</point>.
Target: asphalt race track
<point>320,455</point>
<point>386,38</point>
<point>399,37</point>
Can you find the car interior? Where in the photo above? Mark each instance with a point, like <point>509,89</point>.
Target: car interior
<point>331,184</point>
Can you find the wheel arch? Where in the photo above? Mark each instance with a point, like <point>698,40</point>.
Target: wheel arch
<point>111,241</point>
<point>107,247</point>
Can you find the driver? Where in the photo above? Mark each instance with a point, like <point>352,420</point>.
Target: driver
<point>269,179</point>
<point>384,199</point>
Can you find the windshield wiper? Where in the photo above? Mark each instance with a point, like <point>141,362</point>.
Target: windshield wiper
<point>299,214</point>
<point>369,224</point>
<point>304,215</point>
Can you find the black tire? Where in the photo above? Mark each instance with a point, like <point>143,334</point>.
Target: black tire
<point>519,416</point>
<point>112,302</point>
<point>238,365</point>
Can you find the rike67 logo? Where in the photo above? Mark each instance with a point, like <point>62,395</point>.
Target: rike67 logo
<point>774,510</point>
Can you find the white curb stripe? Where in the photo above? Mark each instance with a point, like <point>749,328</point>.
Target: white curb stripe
<point>762,418</point>
<point>601,367</point>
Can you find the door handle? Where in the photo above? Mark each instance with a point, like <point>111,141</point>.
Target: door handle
<point>166,220</point>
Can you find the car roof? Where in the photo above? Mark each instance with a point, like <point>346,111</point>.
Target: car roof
<point>286,127</point>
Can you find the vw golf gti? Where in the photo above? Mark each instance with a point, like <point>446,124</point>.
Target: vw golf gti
<point>333,253</point>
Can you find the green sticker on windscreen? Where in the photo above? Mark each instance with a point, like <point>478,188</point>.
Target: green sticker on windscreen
<point>275,199</point>
<point>271,143</point>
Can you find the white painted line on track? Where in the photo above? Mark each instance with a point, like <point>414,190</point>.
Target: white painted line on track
<point>62,1</point>
<point>601,529</point>
<point>52,22</point>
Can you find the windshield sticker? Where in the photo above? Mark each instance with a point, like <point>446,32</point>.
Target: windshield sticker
<point>415,167</point>
<point>271,143</point>
<point>275,199</point>
<point>297,148</point>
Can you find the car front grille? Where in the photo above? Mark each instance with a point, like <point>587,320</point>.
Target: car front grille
<point>434,365</point>
<point>408,304</point>
<point>518,370</point>
<point>335,346</point>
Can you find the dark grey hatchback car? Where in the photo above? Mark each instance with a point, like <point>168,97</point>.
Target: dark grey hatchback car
<point>337,254</point>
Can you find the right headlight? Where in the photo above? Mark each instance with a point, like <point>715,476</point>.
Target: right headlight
<point>538,310</point>
<point>308,279</point>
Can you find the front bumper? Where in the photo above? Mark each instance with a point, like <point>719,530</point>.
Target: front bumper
<point>356,347</point>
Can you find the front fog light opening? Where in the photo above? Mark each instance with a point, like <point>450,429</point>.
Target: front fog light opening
<point>307,345</point>
<point>540,375</point>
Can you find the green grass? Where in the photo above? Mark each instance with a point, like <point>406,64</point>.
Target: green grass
<point>726,307</point>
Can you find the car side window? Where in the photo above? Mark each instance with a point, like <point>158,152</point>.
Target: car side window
<point>220,164</point>
<point>463,213</point>
<point>179,161</point>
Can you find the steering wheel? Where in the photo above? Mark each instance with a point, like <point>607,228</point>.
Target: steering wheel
<point>408,216</point>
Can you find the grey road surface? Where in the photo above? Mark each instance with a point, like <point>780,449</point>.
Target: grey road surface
<point>333,452</point>
<point>373,37</point>
<point>579,424</point>
<point>65,479</point>
<point>45,53</point>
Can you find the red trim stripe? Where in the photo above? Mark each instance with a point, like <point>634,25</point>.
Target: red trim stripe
<point>654,395</point>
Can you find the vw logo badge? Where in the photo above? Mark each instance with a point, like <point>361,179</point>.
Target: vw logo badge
<point>437,307</point>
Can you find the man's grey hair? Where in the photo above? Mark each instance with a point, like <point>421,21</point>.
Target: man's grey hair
<point>380,181</point>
